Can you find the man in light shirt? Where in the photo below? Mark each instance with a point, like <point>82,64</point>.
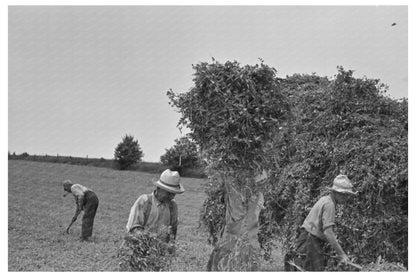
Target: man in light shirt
<point>86,200</point>
<point>157,212</point>
<point>318,227</point>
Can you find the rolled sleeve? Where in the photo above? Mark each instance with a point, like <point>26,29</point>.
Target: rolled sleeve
<point>136,216</point>
<point>80,202</point>
<point>78,190</point>
<point>328,215</point>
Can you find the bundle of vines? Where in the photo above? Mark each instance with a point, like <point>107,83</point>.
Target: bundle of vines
<point>143,251</point>
<point>382,265</point>
<point>303,130</point>
<point>231,112</point>
<point>346,125</point>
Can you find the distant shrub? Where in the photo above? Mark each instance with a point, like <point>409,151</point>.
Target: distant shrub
<point>127,152</point>
<point>148,167</point>
<point>183,153</point>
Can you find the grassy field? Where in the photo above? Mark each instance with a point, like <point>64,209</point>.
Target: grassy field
<point>38,216</point>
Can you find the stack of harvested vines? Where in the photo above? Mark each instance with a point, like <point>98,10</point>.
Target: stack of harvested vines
<point>143,251</point>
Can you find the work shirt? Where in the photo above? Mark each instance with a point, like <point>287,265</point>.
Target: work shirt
<point>159,217</point>
<point>321,217</point>
<point>78,191</point>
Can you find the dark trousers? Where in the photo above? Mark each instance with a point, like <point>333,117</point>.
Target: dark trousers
<point>309,253</point>
<point>90,209</point>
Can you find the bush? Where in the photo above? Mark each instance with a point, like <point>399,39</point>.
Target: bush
<point>184,153</point>
<point>127,152</point>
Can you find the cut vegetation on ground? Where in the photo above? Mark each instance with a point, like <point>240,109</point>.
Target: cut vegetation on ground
<point>38,216</point>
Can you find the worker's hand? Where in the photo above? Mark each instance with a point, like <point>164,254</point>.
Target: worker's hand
<point>343,259</point>
<point>172,249</point>
<point>164,237</point>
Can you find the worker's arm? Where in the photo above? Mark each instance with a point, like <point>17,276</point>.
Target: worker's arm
<point>332,240</point>
<point>137,213</point>
<point>173,228</point>
<point>80,203</point>
<point>74,218</point>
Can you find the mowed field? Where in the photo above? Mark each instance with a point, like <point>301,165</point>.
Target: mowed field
<point>38,216</point>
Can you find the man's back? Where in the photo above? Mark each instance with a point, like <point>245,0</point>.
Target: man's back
<point>320,217</point>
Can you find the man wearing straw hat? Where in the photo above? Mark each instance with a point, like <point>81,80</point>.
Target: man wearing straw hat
<point>158,212</point>
<point>318,228</point>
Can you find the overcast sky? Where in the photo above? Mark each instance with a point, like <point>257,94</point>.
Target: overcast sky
<point>82,77</point>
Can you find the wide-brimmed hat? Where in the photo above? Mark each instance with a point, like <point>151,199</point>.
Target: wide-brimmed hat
<point>170,181</point>
<point>343,185</point>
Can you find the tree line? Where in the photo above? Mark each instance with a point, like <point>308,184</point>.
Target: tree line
<point>128,155</point>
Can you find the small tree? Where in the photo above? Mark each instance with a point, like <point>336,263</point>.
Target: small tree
<point>184,154</point>
<point>127,152</point>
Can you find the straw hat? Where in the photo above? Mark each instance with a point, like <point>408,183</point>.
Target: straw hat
<point>170,181</point>
<point>343,185</point>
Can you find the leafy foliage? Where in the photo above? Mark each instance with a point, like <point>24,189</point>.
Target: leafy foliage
<point>346,125</point>
<point>127,152</point>
<point>183,153</point>
<point>383,265</point>
<point>143,251</point>
<point>349,126</point>
<point>232,111</point>
<point>212,215</point>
